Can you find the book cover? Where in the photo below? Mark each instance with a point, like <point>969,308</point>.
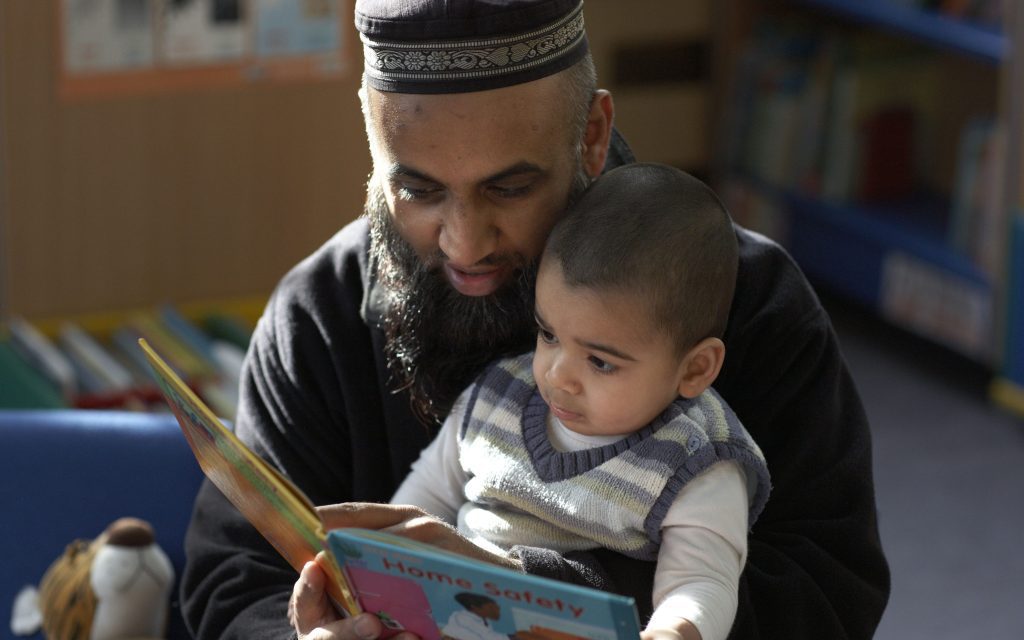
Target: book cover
<point>438,594</point>
<point>275,506</point>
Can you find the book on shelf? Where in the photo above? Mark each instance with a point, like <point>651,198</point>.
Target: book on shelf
<point>22,386</point>
<point>40,352</point>
<point>408,585</point>
<point>99,372</point>
<point>843,117</point>
<point>881,116</point>
<point>94,362</point>
<point>978,213</point>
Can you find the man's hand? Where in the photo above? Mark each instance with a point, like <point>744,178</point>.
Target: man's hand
<point>410,522</point>
<point>314,618</point>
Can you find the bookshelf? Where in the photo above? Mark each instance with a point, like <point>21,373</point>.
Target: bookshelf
<point>875,140</point>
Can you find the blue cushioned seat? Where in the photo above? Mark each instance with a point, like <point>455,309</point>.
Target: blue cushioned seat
<point>68,474</point>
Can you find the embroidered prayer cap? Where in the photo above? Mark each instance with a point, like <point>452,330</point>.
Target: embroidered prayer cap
<point>458,46</point>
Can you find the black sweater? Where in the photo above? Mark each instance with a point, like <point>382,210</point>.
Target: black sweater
<point>317,403</point>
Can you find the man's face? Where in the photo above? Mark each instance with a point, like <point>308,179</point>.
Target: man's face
<point>466,188</point>
<point>474,182</point>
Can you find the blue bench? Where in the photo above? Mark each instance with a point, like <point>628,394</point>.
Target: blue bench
<point>67,474</point>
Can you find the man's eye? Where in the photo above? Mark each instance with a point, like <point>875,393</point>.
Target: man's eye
<point>602,366</point>
<point>511,191</point>
<point>546,336</point>
<point>417,191</point>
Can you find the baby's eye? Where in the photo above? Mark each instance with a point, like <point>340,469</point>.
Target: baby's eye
<point>603,366</point>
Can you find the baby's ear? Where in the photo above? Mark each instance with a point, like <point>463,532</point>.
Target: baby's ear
<point>700,367</point>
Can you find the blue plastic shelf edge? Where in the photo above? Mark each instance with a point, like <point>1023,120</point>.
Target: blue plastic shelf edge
<point>985,43</point>
<point>890,235</point>
<point>869,224</point>
<point>856,251</point>
<point>1007,390</point>
<point>1013,361</point>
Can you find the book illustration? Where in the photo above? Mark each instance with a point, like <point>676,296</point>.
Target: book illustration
<point>393,599</point>
<point>275,506</point>
<point>440,595</point>
<point>435,594</point>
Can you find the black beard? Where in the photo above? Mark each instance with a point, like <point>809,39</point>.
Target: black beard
<point>436,339</point>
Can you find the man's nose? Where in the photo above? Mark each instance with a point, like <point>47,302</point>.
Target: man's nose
<point>468,234</point>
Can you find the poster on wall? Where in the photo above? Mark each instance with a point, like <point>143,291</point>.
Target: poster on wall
<point>202,32</point>
<point>300,35</point>
<point>114,47</point>
<point>287,27</point>
<point>107,35</point>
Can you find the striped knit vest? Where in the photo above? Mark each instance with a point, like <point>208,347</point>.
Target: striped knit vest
<point>522,491</point>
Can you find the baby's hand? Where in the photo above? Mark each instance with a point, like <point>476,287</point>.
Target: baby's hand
<point>660,634</point>
<point>683,630</point>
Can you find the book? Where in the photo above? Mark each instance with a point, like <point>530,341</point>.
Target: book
<point>22,386</point>
<point>274,506</point>
<point>97,370</point>
<point>431,592</point>
<point>407,584</point>
<point>978,214</point>
<point>39,351</point>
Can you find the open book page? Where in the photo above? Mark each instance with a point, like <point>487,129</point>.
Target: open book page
<point>275,506</point>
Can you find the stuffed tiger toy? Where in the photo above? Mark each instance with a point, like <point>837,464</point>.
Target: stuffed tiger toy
<point>115,586</point>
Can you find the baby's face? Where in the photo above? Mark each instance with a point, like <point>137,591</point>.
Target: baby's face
<point>599,365</point>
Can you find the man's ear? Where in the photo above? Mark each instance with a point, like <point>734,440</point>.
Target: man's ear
<point>700,367</point>
<point>598,133</point>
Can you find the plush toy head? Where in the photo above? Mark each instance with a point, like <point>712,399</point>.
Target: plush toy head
<point>116,586</point>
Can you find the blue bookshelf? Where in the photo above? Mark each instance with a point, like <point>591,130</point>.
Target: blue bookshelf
<point>900,258</point>
<point>981,41</point>
<point>869,234</point>
<point>856,250</point>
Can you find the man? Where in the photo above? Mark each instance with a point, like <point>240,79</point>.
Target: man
<point>483,122</point>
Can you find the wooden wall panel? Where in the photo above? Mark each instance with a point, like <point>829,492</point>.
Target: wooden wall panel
<point>668,120</point>
<point>128,201</point>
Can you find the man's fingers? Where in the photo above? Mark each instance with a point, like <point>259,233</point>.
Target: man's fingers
<point>365,626</point>
<point>401,519</point>
<point>313,617</point>
<point>428,529</point>
<point>308,604</point>
<point>365,515</point>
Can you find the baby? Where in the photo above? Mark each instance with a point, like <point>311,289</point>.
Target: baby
<point>609,434</point>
